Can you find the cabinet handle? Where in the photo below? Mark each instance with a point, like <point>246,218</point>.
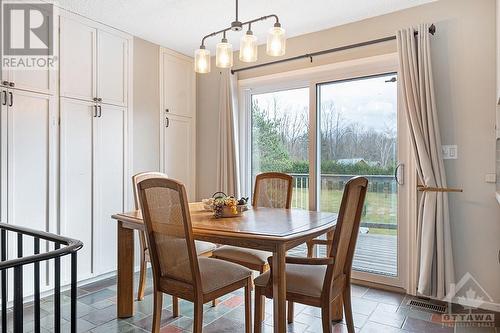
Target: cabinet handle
<point>99,99</point>
<point>167,110</point>
<point>4,97</point>
<point>95,99</point>
<point>5,83</point>
<point>11,98</point>
<point>95,110</point>
<point>168,122</point>
<point>100,111</point>
<point>12,84</point>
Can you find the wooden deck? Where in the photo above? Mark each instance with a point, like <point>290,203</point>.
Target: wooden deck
<point>374,254</point>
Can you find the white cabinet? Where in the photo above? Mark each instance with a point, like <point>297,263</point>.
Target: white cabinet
<point>112,77</point>
<point>179,145</point>
<point>28,165</point>
<point>177,84</point>
<point>92,180</point>
<point>77,59</point>
<point>94,172</point>
<point>178,119</point>
<point>76,177</point>
<point>108,183</point>
<point>94,62</point>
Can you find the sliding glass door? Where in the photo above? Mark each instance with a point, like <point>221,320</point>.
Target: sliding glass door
<point>358,136</point>
<point>324,129</point>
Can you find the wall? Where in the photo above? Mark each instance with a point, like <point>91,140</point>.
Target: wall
<point>146,106</point>
<point>464,68</point>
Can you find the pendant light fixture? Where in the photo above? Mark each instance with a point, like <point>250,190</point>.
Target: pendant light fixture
<point>224,54</point>
<point>276,44</point>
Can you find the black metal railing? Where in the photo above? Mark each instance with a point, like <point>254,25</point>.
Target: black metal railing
<point>69,247</point>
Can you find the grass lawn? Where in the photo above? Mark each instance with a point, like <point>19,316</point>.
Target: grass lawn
<point>379,207</point>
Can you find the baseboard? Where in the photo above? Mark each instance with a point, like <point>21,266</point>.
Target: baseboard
<point>378,286</point>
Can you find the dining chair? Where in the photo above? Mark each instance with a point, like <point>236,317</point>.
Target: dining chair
<point>177,270</point>
<point>320,281</point>
<point>273,190</point>
<point>202,248</point>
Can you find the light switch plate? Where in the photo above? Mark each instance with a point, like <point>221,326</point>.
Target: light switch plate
<point>490,178</point>
<point>450,152</point>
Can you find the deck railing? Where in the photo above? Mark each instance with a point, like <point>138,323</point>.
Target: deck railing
<point>62,247</point>
<point>384,184</point>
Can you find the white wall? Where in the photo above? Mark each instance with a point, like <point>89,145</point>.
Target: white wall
<point>146,106</point>
<point>464,68</point>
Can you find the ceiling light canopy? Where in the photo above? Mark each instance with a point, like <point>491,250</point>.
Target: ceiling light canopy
<point>276,45</point>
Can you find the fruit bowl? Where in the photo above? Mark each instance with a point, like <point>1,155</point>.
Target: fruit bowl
<point>224,206</point>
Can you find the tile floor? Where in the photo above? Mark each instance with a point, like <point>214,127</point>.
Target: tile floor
<point>374,311</point>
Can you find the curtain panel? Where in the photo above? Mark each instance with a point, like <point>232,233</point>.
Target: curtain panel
<point>227,144</point>
<point>435,266</point>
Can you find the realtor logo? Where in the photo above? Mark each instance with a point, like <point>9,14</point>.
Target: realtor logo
<point>27,35</point>
<point>472,297</point>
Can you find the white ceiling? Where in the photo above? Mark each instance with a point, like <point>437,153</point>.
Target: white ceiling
<point>180,24</point>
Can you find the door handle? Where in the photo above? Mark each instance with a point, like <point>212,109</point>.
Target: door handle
<point>100,111</point>
<point>399,180</point>
<point>4,93</point>
<point>11,98</point>
<point>168,122</point>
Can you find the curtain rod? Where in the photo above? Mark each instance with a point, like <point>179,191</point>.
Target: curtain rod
<point>432,31</point>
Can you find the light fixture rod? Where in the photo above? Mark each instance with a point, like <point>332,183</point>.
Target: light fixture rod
<point>244,23</point>
<point>236,11</point>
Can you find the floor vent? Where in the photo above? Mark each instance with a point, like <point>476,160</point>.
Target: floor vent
<point>427,305</point>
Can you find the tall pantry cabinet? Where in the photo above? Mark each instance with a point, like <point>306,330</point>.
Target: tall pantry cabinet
<point>178,119</point>
<point>94,111</point>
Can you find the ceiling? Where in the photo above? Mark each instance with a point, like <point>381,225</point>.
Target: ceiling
<point>180,24</point>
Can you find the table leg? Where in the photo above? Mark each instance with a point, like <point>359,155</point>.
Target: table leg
<point>125,293</point>
<point>279,290</point>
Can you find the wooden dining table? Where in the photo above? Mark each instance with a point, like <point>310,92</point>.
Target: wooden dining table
<point>267,229</point>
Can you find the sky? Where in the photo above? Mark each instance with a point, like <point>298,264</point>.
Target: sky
<point>370,102</point>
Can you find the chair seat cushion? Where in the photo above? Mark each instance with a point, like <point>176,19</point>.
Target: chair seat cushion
<point>204,247</point>
<point>300,279</point>
<point>243,255</point>
<point>216,274</point>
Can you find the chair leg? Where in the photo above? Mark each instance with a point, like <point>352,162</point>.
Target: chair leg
<point>215,302</point>
<point>198,316</point>
<point>157,308</point>
<point>346,295</point>
<point>310,249</point>
<point>175,306</point>
<point>258,311</point>
<point>325,319</point>
<point>142,279</point>
<point>248,306</point>
<point>290,312</point>
<point>263,269</point>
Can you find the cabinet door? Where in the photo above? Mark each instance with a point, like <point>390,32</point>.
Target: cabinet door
<point>178,151</point>
<point>41,80</point>
<point>76,176</point>
<point>3,156</point>
<point>177,85</point>
<point>108,184</point>
<point>31,155</point>
<point>77,59</point>
<point>112,68</point>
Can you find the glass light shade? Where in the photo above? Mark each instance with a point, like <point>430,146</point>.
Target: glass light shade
<point>276,42</point>
<point>202,61</point>
<point>248,48</point>
<point>224,55</point>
